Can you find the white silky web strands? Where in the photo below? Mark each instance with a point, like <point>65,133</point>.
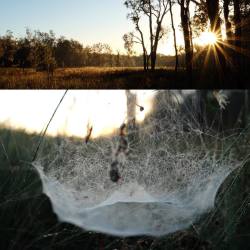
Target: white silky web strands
<point>168,180</point>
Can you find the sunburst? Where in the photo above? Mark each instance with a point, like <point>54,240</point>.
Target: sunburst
<point>207,38</point>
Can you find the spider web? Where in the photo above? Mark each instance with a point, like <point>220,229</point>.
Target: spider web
<point>170,174</point>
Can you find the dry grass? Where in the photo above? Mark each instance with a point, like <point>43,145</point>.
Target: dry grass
<point>113,78</point>
<point>87,77</point>
<point>74,77</point>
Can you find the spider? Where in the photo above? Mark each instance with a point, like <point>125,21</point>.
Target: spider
<point>141,107</point>
<point>114,172</point>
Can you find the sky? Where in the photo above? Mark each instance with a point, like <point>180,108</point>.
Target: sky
<point>88,21</point>
<point>104,110</point>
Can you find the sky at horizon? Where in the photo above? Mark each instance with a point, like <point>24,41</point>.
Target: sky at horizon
<point>104,110</point>
<point>88,21</point>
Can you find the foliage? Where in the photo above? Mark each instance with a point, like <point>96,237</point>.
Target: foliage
<point>43,51</point>
<point>155,11</point>
<point>200,19</point>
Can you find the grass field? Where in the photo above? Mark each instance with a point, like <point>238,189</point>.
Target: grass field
<point>28,221</point>
<point>89,77</point>
<point>108,78</point>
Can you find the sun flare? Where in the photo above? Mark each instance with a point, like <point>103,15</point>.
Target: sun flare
<point>105,110</point>
<point>208,38</point>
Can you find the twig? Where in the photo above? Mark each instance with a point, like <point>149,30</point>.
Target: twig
<point>5,152</point>
<point>88,135</point>
<point>44,133</point>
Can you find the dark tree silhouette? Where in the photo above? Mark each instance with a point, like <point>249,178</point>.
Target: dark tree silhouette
<point>156,12</point>
<point>228,24</point>
<point>135,16</point>
<point>185,22</point>
<point>8,46</point>
<point>237,37</point>
<point>174,34</point>
<point>215,27</point>
<point>24,55</point>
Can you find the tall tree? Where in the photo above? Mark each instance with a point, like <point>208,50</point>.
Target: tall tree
<point>24,55</point>
<point>8,47</point>
<point>45,44</point>
<point>215,27</point>
<point>135,16</point>
<point>238,31</point>
<point>129,40</point>
<point>228,24</point>
<point>171,2</point>
<point>185,22</point>
<point>214,17</point>
<point>156,11</point>
<point>1,52</point>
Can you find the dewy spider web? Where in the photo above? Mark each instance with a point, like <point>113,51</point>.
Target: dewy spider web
<point>169,178</point>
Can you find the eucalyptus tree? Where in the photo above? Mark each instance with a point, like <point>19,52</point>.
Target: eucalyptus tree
<point>155,11</point>
<point>238,32</point>
<point>135,15</point>
<point>8,46</point>
<point>24,55</point>
<point>214,16</point>
<point>213,11</point>
<point>129,40</point>
<point>187,33</point>
<point>237,21</point>
<point>228,24</point>
<point>171,3</point>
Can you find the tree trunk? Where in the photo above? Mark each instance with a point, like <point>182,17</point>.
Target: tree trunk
<point>153,60</point>
<point>155,46</point>
<point>187,40</point>
<point>151,33</point>
<point>237,20</point>
<point>175,43</point>
<point>145,59</point>
<point>213,14</point>
<point>228,24</point>
<point>148,58</point>
<point>214,17</point>
<point>228,27</point>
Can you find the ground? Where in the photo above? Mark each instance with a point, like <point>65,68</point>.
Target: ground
<point>111,78</point>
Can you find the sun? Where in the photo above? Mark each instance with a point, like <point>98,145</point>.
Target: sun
<point>207,38</point>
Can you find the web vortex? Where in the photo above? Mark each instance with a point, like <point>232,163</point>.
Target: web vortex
<point>168,177</point>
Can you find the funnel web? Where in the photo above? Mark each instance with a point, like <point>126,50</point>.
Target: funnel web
<point>169,171</point>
